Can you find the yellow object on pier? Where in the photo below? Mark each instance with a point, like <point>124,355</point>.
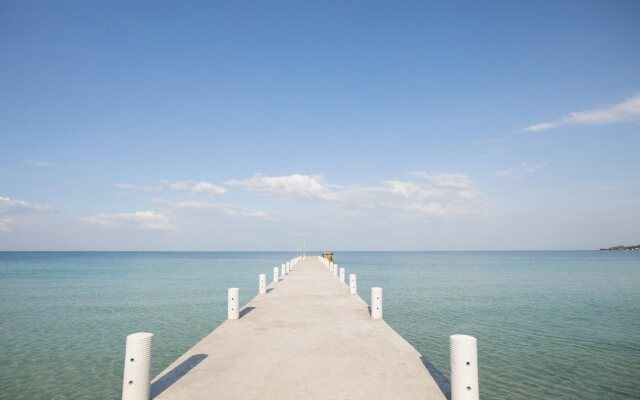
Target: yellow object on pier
<point>328,255</point>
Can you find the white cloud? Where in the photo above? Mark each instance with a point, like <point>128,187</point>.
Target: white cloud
<point>140,219</point>
<point>20,215</point>
<point>38,163</point>
<point>439,195</point>
<point>11,206</point>
<point>625,111</point>
<point>519,172</point>
<point>541,127</point>
<point>420,202</point>
<point>456,181</point>
<point>446,195</point>
<point>223,208</point>
<point>409,190</point>
<point>144,188</point>
<point>288,186</point>
<point>202,188</point>
<point>442,195</point>
<point>181,216</point>
<point>208,189</point>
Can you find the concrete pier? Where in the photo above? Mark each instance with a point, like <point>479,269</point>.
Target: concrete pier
<point>307,338</point>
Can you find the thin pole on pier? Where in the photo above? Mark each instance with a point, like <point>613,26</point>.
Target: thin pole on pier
<point>262,283</point>
<point>136,380</point>
<point>376,303</point>
<point>233,301</point>
<point>464,368</point>
<point>353,287</point>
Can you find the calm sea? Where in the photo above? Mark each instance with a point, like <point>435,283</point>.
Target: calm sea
<point>550,325</point>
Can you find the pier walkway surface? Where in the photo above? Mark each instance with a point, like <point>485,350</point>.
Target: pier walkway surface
<point>307,338</point>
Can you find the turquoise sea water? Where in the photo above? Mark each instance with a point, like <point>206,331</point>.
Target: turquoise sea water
<point>550,325</point>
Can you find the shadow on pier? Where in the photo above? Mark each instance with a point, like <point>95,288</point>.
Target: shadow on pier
<point>175,374</point>
<point>246,311</point>
<point>441,380</point>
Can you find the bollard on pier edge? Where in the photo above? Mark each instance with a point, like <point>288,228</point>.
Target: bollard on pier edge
<point>464,367</point>
<point>262,283</point>
<point>376,303</point>
<point>136,380</point>
<point>233,301</point>
<point>353,286</point>
<point>342,274</point>
<point>282,274</point>
<point>276,274</point>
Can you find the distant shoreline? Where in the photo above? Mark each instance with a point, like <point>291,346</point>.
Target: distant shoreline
<point>623,248</point>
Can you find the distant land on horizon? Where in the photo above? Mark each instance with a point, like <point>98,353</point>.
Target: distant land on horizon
<point>621,247</point>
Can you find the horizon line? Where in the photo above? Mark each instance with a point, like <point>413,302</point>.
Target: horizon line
<point>291,251</point>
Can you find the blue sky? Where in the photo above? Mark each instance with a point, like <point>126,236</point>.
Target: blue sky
<point>359,125</point>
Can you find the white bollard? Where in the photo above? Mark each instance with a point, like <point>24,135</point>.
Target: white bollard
<point>287,268</point>
<point>282,272</point>
<point>464,368</point>
<point>233,301</point>
<point>262,283</point>
<point>376,303</point>
<point>335,269</point>
<point>331,266</point>
<point>136,381</point>
<point>342,275</point>
<point>276,274</point>
<point>353,287</point>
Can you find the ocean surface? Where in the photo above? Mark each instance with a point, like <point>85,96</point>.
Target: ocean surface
<point>550,325</point>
